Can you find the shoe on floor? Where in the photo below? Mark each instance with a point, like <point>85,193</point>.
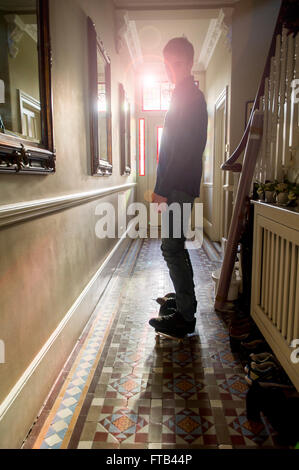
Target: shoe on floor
<point>266,374</point>
<point>262,357</point>
<point>167,307</point>
<point>253,364</point>
<point>173,324</point>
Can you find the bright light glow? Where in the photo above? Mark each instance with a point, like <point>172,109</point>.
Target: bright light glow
<point>141,147</point>
<point>159,137</point>
<point>149,80</point>
<point>102,104</point>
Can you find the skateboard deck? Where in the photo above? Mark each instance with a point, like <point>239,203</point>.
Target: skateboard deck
<point>160,335</point>
<point>164,335</point>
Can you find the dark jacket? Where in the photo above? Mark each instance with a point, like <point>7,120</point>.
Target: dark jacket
<point>183,141</point>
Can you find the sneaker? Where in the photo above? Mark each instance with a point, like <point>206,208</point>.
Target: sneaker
<point>262,357</point>
<point>266,374</point>
<point>240,333</point>
<point>173,325</point>
<point>255,346</point>
<point>168,307</point>
<point>162,300</point>
<point>251,364</point>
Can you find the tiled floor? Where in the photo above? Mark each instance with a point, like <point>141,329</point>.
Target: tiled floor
<point>121,390</point>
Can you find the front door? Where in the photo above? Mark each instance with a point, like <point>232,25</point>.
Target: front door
<point>150,133</point>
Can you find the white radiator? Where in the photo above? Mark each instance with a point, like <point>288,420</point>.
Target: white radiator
<point>275,282</point>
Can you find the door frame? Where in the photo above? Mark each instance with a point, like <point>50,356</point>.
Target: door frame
<point>219,186</point>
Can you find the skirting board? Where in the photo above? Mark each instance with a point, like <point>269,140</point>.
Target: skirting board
<point>208,228</point>
<point>20,408</point>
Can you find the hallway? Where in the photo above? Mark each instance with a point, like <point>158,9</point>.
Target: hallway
<point>119,389</point>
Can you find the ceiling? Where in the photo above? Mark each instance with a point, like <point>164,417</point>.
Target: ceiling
<point>155,26</point>
<point>173,3</point>
<point>154,34</point>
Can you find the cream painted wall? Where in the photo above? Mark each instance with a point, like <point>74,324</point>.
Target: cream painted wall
<point>253,26</point>
<point>218,76</point>
<point>47,262</point>
<point>70,104</point>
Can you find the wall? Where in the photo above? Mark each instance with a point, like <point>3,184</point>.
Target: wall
<point>253,26</point>
<point>46,262</point>
<point>218,76</point>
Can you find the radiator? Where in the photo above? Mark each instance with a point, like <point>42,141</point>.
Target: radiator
<point>275,282</point>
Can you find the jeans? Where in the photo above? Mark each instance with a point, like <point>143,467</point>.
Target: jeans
<point>177,256</point>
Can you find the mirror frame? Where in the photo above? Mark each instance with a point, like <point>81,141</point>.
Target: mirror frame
<point>99,167</point>
<point>125,137</point>
<point>21,156</point>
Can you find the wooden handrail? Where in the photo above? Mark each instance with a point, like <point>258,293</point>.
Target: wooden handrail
<point>230,164</point>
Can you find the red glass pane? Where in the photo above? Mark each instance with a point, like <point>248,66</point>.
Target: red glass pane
<point>141,147</point>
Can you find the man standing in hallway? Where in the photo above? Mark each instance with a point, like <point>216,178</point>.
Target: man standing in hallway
<point>178,178</point>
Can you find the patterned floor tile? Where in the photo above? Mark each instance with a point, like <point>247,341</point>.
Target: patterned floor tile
<point>187,425</point>
<point>252,432</point>
<point>154,396</point>
<point>123,424</point>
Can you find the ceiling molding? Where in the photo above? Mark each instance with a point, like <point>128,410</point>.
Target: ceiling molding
<point>172,4</point>
<point>126,33</point>
<point>222,24</point>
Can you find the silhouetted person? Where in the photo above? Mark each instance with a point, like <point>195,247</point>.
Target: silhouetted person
<point>178,178</point>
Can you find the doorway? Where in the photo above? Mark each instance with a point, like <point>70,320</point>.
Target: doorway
<point>223,187</point>
<point>150,134</point>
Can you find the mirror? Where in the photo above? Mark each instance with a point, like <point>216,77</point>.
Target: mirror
<point>20,108</point>
<point>26,125</point>
<point>99,104</point>
<point>125,132</point>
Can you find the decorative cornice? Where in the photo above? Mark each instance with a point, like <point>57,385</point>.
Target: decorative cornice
<point>126,33</point>
<point>22,211</point>
<point>16,29</point>
<point>217,26</point>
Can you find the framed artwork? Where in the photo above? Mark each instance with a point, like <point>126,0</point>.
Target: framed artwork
<point>26,122</point>
<point>99,104</point>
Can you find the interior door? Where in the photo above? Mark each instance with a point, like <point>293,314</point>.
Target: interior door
<point>223,186</point>
<point>148,159</point>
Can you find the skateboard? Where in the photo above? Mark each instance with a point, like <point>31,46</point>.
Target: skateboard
<point>164,335</point>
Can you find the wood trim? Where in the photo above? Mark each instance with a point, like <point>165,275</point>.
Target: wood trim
<point>23,211</point>
<point>279,346</point>
<point>21,156</point>
<point>29,391</point>
<point>285,216</point>
<point>125,132</point>
<point>283,223</point>
<point>230,164</point>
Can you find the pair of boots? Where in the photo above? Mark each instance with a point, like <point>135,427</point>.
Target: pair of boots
<point>170,321</point>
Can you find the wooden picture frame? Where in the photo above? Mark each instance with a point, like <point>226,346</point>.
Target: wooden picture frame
<point>125,132</point>
<point>19,155</point>
<point>99,166</point>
